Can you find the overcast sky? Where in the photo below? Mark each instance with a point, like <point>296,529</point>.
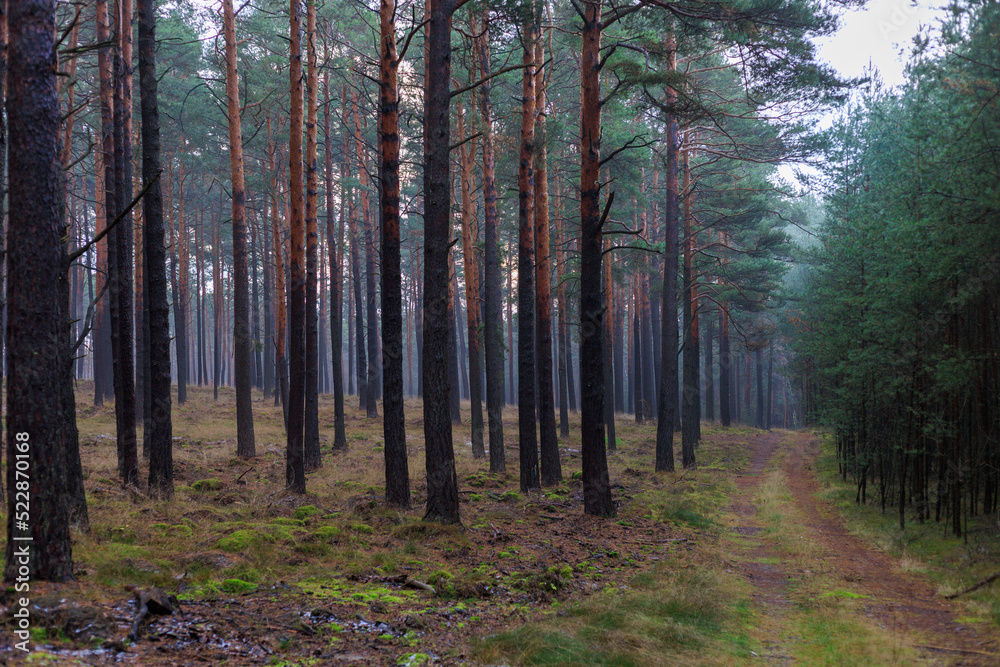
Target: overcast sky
<point>881,33</point>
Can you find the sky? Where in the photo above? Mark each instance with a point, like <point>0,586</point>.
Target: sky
<point>881,33</point>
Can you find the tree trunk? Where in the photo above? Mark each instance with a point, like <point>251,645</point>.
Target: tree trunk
<point>770,387</point>
<point>667,399</point>
<point>596,485</point>
<point>470,237</point>
<point>245,446</point>
<point>527,439</point>
<point>37,318</point>
<point>258,365</point>
<point>454,396</point>
<point>313,456</point>
<point>397,474</point>
<point>690,398</point>
<point>368,386</point>
<point>280,317</point>
<point>759,363</point>
<point>609,378</point>
<point>725,365</point>
<point>709,371</point>
<point>121,269</point>
<point>646,337</point>
<point>493,329</point>
<point>336,280</point>
<point>562,331</point>
<point>295,478</point>
<point>442,480</point>
<point>217,307</point>
<point>551,470</point>
<point>359,320</point>
<point>158,423</point>
<point>181,296</point>
<point>638,359</point>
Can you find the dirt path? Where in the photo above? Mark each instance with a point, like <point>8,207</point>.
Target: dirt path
<point>900,601</point>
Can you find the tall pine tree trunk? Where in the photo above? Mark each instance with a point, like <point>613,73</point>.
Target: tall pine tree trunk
<point>36,313</point>
<point>562,330</point>
<point>667,399</point>
<point>336,280</point>
<point>493,330</point>
<point>551,470</point>
<point>527,438</point>
<point>295,477</point>
<point>725,365</point>
<point>596,484</point>
<point>245,446</point>
<point>370,336</point>
<point>469,240</point>
<point>442,480</point>
<point>397,474</point>
<point>313,456</point>
<point>158,423</point>
<point>690,396</point>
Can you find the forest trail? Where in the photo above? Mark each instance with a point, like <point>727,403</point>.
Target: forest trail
<point>907,606</point>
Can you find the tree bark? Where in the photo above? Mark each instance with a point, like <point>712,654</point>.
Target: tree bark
<point>493,331</point>
<point>313,456</point>
<point>442,480</point>
<point>370,337</point>
<point>551,470</point>
<point>336,280</point>
<point>709,372</point>
<point>245,446</point>
<point>397,474</point>
<point>158,421</point>
<point>469,239</point>
<point>667,400</point>
<point>527,438</point>
<point>36,313</point>
<point>690,398</point>
<point>359,318</point>
<point>596,485</point>
<point>295,478</point>
<point>562,333</point>
<point>281,308</point>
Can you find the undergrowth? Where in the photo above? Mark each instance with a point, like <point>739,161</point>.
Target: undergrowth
<point>930,548</point>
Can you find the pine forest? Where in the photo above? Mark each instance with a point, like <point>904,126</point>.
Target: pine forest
<point>524,332</point>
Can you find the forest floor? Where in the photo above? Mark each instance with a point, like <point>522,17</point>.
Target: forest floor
<point>745,560</point>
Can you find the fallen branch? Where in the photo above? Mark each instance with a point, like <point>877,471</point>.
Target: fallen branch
<point>956,650</point>
<point>416,583</point>
<point>985,582</point>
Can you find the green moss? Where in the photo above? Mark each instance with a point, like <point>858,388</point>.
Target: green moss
<point>238,541</point>
<point>285,521</point>
<point>167,530</point>
<point>206,485</point>
<point>510,496</point>
<point>843,595</point>
<point>237,586</point>
<point>337,591</point>
<point>413,659</point>
<point>306,511</point>
<point>362,528</point>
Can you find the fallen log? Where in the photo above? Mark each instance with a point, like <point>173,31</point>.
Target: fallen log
<point>975,587</point>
